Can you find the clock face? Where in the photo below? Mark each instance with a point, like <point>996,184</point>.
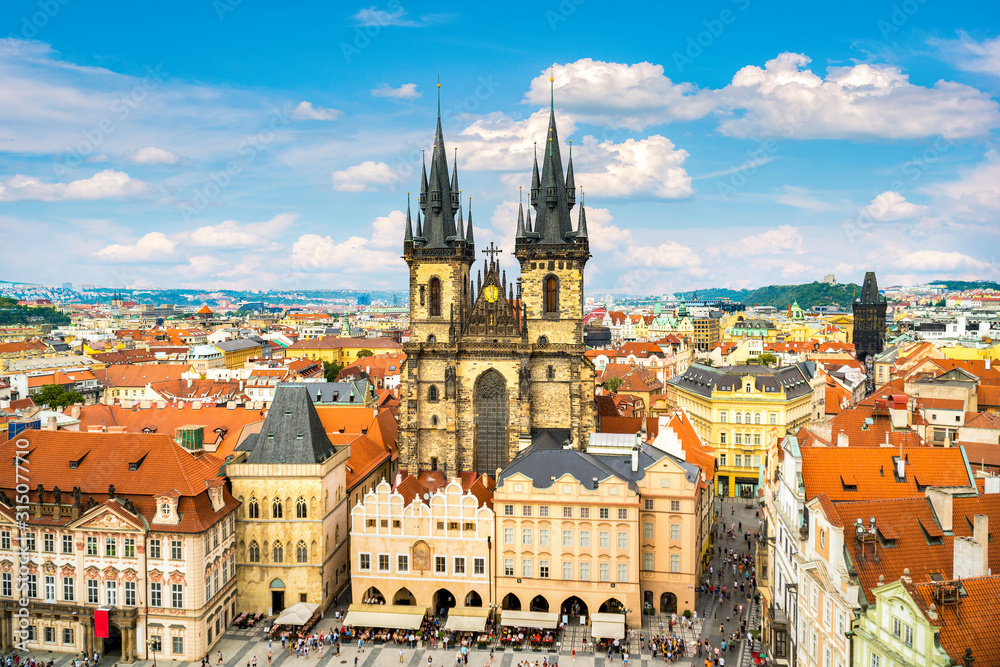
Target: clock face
<point>491,292</point>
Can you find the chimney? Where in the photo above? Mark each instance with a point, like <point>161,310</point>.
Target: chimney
<point>635,459</point>
<point>74,412</point>
<point>991,484</point>
<point>941,501</point>
<point>970,553</point>
<point>842,439</point>
<point>901,468</point>
<point>51,424</point>
<point>399,480</point>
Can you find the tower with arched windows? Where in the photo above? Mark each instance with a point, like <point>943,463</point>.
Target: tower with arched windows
<point>491,362</point>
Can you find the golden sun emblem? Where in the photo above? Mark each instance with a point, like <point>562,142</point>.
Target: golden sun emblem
<point>491,292</point>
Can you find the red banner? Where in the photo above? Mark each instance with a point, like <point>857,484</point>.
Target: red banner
<point>101,623</point>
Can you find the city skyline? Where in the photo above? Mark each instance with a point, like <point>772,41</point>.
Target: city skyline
<point>723,146</point>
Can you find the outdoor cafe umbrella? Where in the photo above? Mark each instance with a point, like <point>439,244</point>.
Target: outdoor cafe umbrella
<point>298,614</point>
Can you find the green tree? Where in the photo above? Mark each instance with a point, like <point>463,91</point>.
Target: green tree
<point>57,397</point>
<point>365,353</point>
<point>767,359</point>
<point>331,369</point>
<point>613,383</point>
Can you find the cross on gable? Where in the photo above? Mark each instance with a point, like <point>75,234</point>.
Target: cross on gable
<point>492,251</point>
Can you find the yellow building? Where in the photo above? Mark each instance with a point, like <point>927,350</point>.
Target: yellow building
<point>340,350</point>
<point>236,353</point>
<point>743,411</point>
<point>431,553</point>
<point>707,333</point>
<point>292,527</point>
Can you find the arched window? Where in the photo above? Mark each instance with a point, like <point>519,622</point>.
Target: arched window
<point>435,290</point>
<point>432,339</point>
<point>551,294</point>
<point>543,340</point>
<point>739,417</point>
<point>300,508</point>
<point>432,393</point>
<point>253,509</point>
<point>279,553</point>
<point>756,418</point>
<point>301,553</point>
<point>276,510</point>
<point>746,418</point>
<point>552,373</point>
<point>253,553</point>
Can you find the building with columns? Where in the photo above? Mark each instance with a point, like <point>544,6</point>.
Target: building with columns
<point>132,523</point>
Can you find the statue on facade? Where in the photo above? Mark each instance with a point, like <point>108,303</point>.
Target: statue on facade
<point>111,490</point>
<point>57,495</point>
<point>41,493</point>
<point>449,382</point>
<point>76,496</point>
<point>524,379</point>
<point>91,503</point>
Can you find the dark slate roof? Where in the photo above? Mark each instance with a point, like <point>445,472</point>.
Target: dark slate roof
<point>546,458</point>
<point>292,431</point>
<point>793,380</point>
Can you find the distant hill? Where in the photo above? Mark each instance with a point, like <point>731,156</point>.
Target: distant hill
<point>782,296</point>
<point>962,285</point>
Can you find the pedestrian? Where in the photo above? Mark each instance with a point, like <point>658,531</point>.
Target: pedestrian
<point>401,656</point>
<point>220,658</point>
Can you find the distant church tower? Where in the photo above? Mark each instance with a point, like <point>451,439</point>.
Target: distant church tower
<point>489,366</point>
<point>869,326</point>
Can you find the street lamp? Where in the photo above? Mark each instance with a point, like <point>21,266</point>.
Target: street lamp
<point>149,649</point>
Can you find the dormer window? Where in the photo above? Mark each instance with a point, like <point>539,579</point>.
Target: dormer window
<point>165,509</point>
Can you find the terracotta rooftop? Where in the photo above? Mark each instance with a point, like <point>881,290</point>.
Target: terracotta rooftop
<point>873,471</point>
<point>336,343</point>
<point>870,426</point>
<point>968,624</point>
<point>141,375</point>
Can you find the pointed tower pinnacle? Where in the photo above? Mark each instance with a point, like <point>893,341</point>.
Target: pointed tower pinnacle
<point>439,220</point>
<point>420,231</point>
<point>408,235</point>
<point>455,192</point>
<point>520,215</point>
<point>422,197</point>
<point>581,227</point>
<point>536,182</point>
<point>459,220</point>
<point>468,234</point>
<point>570,181</point>
<point>527,223</point>
<point>552,220</point>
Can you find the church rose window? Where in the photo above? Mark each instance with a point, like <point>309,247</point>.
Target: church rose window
<point>491,421</point>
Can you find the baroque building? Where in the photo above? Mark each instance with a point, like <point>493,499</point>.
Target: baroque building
<point>490,361</point>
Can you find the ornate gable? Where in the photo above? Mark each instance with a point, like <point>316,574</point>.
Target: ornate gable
<point>104,518</point>
<point>494,311</point>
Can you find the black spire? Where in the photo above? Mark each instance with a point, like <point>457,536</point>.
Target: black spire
<point>581,227</point>
<point>527,223</point>
<point>520,216</point>
<point>468,234</point>
<point>570,181</point>
<point>869,291</point>
<point>440,208</point>
<point>552,221</point>
<point>408,235</point>
<point>459,221</point>
<point>420,231</point>
<point>536,182</point>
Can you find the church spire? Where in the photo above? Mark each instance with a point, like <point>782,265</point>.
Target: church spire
<point>520,216</point>
<point>459,221</point>
<point>408,235</point>
<point>468,234</point>
<point>420,231</point>
<point>552,220</point>
<point>441,206</point>
<point>581,227</point>
<point>536,183</point>
<point>570,181</point>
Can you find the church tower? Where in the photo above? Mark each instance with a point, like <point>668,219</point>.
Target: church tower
<point>489,368</point>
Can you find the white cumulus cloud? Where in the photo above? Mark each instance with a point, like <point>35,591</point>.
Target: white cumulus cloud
<point>970,55</point>
<point>306,111</point>
<point>786,99</point>
<point>102,185</point>
<point>780,240</point>
<point>927,261</point>
<point>650,166</point>
<point>233,234</point>
<point>365,177</point>
<point>619,95</point>
<point>152,155</point>
<point>408,91</point>
<point>151,247</point>
<point>891,206</point>
<point>977,192</point>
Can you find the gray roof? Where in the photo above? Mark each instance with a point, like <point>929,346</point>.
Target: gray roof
<point>292,431</point>
<point>793,380</point>
<point>546,459</point>
<point>338,392</point>
<point>239,344</point>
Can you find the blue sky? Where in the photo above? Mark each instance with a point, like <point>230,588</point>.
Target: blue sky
<point>229,143</point>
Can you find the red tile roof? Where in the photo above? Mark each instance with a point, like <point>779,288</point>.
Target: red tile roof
<point>142,375</point>
<point>695,451</point>
<point>854,421</point>
<point>965,625</point>
<point>873,469</point>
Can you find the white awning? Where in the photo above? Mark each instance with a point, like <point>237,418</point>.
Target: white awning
<point>529,619</point>
<point>392,616</point>
<point>297,614</point>
<point>467,619</point>
<point>607,626</point>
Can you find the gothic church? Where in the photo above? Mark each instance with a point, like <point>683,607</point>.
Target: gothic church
<point>491,363</point>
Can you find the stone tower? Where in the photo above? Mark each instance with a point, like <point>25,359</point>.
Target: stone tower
<point>489,366</point>
<point>869,326</point>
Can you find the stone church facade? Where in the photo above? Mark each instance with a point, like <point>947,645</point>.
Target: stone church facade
<point>490,362</point>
